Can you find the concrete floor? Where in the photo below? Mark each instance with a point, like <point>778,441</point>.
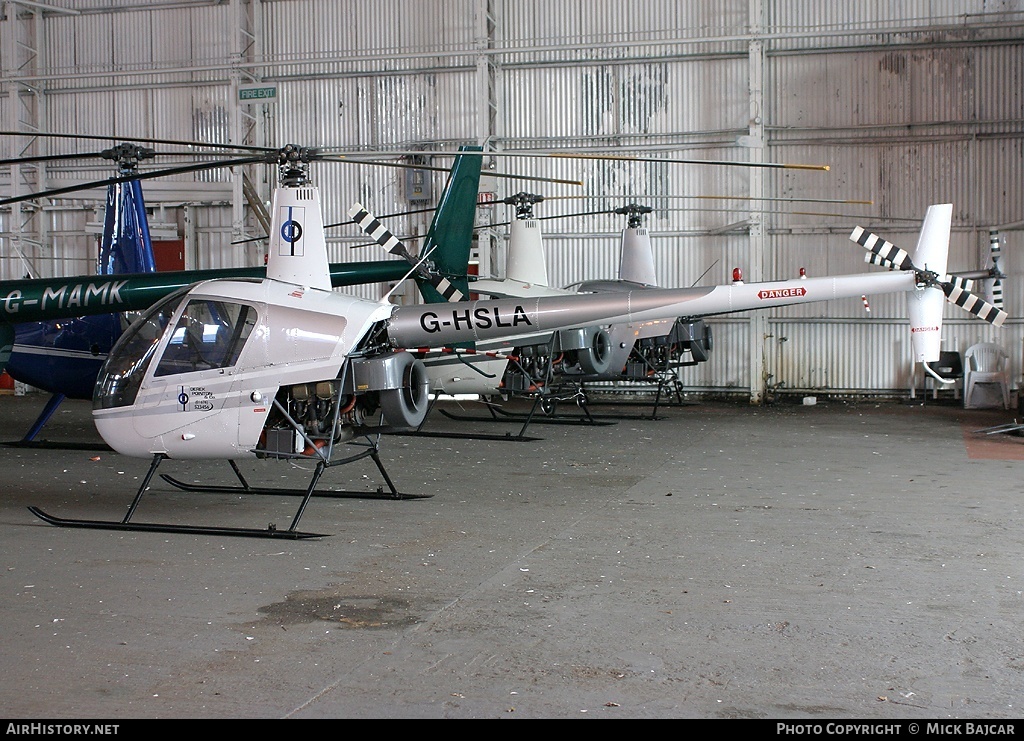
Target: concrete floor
<point>790,562</point>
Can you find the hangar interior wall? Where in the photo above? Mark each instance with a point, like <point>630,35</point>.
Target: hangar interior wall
<point>908,103</point>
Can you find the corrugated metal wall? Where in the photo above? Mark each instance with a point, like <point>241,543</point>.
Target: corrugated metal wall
<point>909,103</point>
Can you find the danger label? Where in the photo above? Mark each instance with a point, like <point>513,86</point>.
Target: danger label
<point>782,292</point>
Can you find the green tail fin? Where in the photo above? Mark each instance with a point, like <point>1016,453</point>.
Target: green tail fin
<point>450,238</point>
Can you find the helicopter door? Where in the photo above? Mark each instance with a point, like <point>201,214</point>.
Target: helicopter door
<point>192,382</point>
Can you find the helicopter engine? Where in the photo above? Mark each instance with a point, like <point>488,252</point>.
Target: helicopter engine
<point>666,352</point>
<point>578,353</point>
<point>586,351</point>
<point>398,382</point>
<point>309,411</point>
<point>309,415</point>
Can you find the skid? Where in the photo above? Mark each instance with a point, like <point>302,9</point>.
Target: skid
<point>587,420</point>
<point>270,532</point>
<point>292,533</point>
<point>500,415</point>
<point>507,437</point>
<point>1011,428</point>
<point>269,491</point>
<point>244,487</point>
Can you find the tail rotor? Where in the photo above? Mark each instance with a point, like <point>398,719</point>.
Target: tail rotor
<point>881,252</point>
<point>994,283</point>
<point>933,284</point>
<point>957,294</point>
<point>422,268</point>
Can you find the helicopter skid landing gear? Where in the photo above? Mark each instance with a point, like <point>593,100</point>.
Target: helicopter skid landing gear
<point>246,488</point>
<point>127,524</point>
<point>271,531</point>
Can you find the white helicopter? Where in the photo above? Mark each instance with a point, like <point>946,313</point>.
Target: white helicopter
<point>648,351</point>
<point>285,368</point>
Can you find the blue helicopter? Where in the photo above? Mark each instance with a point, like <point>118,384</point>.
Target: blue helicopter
<point>62,356</point>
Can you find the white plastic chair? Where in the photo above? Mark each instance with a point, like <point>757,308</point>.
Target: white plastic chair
<point>986,364</point>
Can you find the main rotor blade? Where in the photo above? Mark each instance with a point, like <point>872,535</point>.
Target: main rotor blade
<point>844,201</point>
<point>50,158</point>
<point>612,157</point>
<point>127,178</point>
<point>410,166</point>
<point>95,137</point>
<point>649,198</point>
<point>678,161</point>
<point>702,210</point>
<point>352,221</point>
<point>105,154</point>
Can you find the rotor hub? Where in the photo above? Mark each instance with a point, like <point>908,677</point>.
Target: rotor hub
<point>293,162</point>
<point>523,203</point>
<point>633,212</point>
<point>127,156</point>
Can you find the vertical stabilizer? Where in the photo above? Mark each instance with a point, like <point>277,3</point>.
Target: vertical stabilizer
<point>925,304</point>
<point>449,240</point>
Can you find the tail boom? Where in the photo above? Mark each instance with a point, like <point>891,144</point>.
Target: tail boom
<point>488,320</point>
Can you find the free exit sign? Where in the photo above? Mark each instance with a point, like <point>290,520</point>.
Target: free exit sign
<point>257,93</point>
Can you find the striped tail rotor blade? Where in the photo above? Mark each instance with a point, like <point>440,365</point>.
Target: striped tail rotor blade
<point>383,236</point>
<point>874,259</point>
<point>962,284</point>
<point>997,293</point>
<point>885,250</point>
<point>974,304</point>
<point>378,232</point>
<point>994,287</point>
<point>995,246</point>
<point>445,288</point>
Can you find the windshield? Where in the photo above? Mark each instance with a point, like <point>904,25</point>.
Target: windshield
<point>118,381</point>
<point>209,334</point>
